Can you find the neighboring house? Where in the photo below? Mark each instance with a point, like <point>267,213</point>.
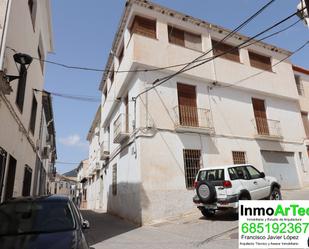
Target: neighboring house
<point>215,114</point>
<point>302,84</point>
<point>95,174</point>
<point>82,183</point>
<point>24,168</point>
<point>64,185</point>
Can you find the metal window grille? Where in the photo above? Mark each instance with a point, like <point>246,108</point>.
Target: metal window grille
<point>114,185</point>
<point>192,164</point>
<point>239,157</point>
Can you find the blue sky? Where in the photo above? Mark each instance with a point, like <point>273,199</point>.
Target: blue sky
<point>83,35</point>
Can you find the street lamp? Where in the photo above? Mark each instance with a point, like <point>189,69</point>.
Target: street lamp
<point>24,60</point>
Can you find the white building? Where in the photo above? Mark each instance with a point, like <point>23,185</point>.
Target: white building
<point>82,183</point>
<point>215,114</point>
<point>25,28</point>
<point>94,172</point>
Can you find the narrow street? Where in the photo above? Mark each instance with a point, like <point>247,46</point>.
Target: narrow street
<point>189,231</point>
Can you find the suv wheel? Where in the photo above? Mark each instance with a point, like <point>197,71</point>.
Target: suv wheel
<point>275,194</point>
<point>207,212</point>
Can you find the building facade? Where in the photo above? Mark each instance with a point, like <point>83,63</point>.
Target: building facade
<point>82,183</point>
<point>234,109</point>
<point>25,28</point>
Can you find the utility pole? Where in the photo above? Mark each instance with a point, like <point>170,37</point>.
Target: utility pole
<point>303,7</point>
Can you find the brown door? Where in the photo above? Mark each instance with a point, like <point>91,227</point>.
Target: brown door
<point>260,116</point>
<point>10,179</point>
<point>187,105</point>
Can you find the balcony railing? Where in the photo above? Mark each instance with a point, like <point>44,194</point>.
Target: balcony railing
<point>121,128</point>
<point>267,128</point>
<point>189,118</point>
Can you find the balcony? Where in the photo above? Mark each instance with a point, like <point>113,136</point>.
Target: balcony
<point>121,127</point>
<point>104,151</point>
<point>267,129</point>
<point>189,118</point>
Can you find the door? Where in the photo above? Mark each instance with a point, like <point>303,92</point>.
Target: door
<point>10,180</point>
<point>282,166</point>
<point>261,187</point>
<point>187,105</point>
<point>27,181</point>
<point>3,156</point>
<point>260,116</point>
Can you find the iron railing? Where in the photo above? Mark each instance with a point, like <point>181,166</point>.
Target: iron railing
<point>192,117</point>
<point>267,127</point>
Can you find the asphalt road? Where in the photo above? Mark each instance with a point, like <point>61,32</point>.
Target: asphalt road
<point>190,231</point>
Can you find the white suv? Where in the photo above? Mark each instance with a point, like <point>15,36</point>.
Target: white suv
<point>220,188</point>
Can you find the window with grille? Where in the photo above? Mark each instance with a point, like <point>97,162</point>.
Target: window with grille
<point>192,164</point>
<point>260,61</point>
<point>230,52</point>
<point>299,86</point>
<point>239,157</point>
<point>114,184</point>
<point>144,26</point>
<point>184,38</point>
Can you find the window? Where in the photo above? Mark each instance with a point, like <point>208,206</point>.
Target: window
<point>254,173</point>
<point>239,157</point>
<point>27,181</point>
<point>114,184</point>
<point>112,75</point>
<point>21,88</point>
<point>105,92</point>
<point>41,57</point>
<point>32,9</point>
<point>242,173</point>
<point>120,54</point>
<point>211,175</point>
<point>184,38</point>
<point>260,61</point>
<point>260,116</point>
<point>192,165</point>
<point>3,156</point>
<point>33,115</point>
<point>304,116</point>
<point>299,86</point>
<point>144,26</point>
<point>230,52</point>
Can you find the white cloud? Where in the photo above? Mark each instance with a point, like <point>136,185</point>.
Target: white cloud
<point>73,141</point>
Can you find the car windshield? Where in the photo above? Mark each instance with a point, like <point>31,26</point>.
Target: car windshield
<point>211,175</point>
<point>35,217</point>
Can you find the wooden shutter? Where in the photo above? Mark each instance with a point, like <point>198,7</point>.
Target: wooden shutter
<point>188,115</point>
<point>176,36</point>
<point>144,26</point>
<point>260,116</point>
<point>231,53</point>
<point>21,88</point>
<point>260,61</point>
<point>193,41</point>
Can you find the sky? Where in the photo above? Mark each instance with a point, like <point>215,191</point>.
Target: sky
<point>83,32</point>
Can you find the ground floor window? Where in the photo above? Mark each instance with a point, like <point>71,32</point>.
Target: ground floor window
<point>192,164</point>
<point>239,157</point>
<point>114,186</point>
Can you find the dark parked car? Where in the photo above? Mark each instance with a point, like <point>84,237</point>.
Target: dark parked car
<point>49,222</point>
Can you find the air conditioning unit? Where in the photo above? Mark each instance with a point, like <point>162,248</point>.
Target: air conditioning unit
<point>97,166</point>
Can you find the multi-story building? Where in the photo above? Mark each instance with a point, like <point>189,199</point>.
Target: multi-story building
<point>234,109</point>
<point>64,185</point>
<point>302,85</point>
<point>94,173</point>
<point>26,33</point>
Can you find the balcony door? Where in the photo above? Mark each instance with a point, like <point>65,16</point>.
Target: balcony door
<point>260,116</point>
<point>10,180</point>
<point>188,115</point>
